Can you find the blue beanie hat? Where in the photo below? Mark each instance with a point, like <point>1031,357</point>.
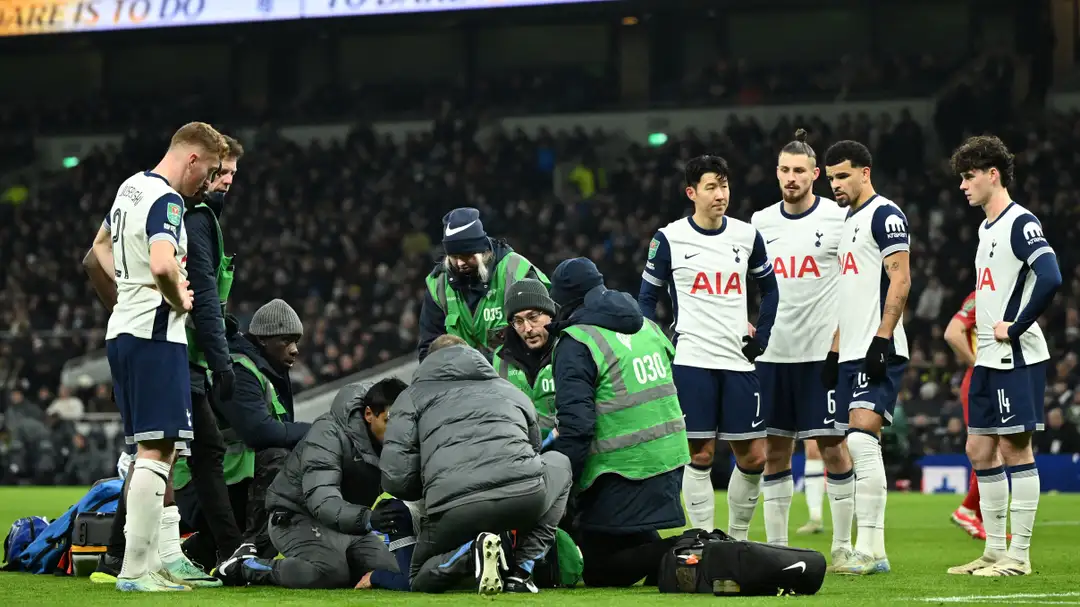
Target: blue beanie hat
<point>463,232</point>
<point>574,278</point>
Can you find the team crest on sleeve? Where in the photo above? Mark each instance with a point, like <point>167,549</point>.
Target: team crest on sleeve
<point>653,246</point>
<point>172,213</point>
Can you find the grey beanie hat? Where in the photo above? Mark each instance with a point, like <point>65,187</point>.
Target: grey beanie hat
<point>527,294</point>
<point>275,318</point>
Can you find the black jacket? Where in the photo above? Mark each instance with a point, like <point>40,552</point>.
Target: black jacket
<point>461,434</point>
<point>515,352</point>
<point>612,504</point>
<point>202,266</point>
<point>247,413</point>
<point>432,317</point>
<point>333,473</point>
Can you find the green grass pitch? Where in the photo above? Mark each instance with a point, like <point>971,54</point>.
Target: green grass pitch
<point>922,543</point>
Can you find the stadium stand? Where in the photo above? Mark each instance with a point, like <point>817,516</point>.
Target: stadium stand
<point>346,231</point>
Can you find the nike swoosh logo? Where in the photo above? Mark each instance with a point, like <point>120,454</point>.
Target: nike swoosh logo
<point>771,241</point>
<point>858,394</point>
<point>801,565</point>
<point>688,256</point>
<point>829,421</point>
<point>757,423</point>
<point>698,503</point>
<point>451,231</point>
<point>1005,420</point>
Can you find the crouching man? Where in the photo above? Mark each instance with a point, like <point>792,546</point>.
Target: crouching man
<point>467,442</point>
<point>257,424</point>
<point>320,503</point>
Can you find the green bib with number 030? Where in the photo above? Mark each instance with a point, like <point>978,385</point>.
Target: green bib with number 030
<point>640,431</point>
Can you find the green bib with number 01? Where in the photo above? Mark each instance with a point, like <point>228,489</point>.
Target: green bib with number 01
<point>640,431</point>
<point>541,392</point>
<point>477,328</point>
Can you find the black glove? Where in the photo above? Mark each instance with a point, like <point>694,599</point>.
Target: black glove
<point>830,373</point>
<point>232,326</point>
<point>752,349</point>
<point>392,517</point>
<point>876,355</point>
<point>222,383</point>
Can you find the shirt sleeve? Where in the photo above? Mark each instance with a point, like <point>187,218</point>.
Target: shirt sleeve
<point>658,263</point>
<point>1028,241</point>
<point>966,313</point>
<point>106,224</point>
<point>164,218</point>
<point>890,230</point>
<point>759,265</point>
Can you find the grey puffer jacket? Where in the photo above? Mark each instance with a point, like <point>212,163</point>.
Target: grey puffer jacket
<point>332,475</point>
<point>460,434</point>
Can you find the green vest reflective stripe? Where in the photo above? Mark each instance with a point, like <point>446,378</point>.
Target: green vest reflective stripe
<point>239,462</point>
<point>224,276</point>
<point>640,431</point>
<point>541,392</point>
<point>477,328</point>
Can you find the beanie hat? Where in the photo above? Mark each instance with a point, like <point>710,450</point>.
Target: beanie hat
<point>527,294</point>
<point>275,318</point>
<point>574,278</point>
<point>463,232</point>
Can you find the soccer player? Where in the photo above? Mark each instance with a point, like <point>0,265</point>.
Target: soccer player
<point>814,487</point>
<point>960,335</point>
<point>802,233</point>
<point>870,350</point>
<point>704,261</point>
<point>145,339</point>
<point>1016,277</point>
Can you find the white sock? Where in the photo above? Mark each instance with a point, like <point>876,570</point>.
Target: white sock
<point>870,493</point>
<point>842,507</point>
<point>145,491</point>
<point>777,490</point>
<point>1025,502</point>
<point>169,535</point>
<point>814,486</point>
<point>993,501</point>
<point>742,495</point>
<point>699,497</point>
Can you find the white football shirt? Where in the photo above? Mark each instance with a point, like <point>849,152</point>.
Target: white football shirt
<point>803,252</point>
<point>705,272</point>
<point>146,210</point>
<point>870,234</point>
<point>1003,285</point>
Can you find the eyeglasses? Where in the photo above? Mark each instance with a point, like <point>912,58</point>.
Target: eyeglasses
<point>533,318</point>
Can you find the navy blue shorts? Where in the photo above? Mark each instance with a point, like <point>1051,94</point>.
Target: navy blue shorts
<point>799,406</point>
<point>152,388</point>
<point>1006,401</point>
<point>855,391</point>
<point>719,403</point>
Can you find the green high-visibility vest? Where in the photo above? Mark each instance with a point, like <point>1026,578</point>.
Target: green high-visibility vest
<point>224,276</point>
<point>478,327</point>
<point>239,463</point>
<point>541,392</point>
<point>640,431</point>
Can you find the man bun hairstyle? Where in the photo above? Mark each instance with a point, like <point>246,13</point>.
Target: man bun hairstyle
<point>982,153</point>
<point>799,146</point>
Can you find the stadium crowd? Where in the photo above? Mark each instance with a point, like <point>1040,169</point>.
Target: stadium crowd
<point>346,232</point>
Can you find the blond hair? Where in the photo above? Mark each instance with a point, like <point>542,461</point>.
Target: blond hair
<point>235,150</point>
<point>202,135</point>
<point>445,340</point>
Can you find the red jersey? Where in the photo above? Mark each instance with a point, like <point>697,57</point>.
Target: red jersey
<point>966,315</point>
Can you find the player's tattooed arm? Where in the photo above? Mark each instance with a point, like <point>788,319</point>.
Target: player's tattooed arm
<point>898,267</point>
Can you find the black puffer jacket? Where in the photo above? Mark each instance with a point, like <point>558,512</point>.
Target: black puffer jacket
<point>461,434</point>
<point>333,474</point>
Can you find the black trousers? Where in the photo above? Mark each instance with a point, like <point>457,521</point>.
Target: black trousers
<point>248,501</point>
<point>619,561</point>
<point>317,556</point>
<point>208,478</point>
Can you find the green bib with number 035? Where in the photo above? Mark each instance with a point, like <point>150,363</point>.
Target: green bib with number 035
<point>478,328</point>
<point>640,431</point>
<point>541,392</point>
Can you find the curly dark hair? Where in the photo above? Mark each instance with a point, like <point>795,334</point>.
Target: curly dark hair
<point>853,151</point>
<point>982,153</point>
